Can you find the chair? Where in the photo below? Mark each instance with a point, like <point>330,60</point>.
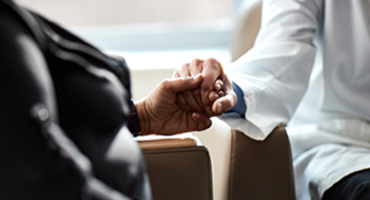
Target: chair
<point>242,168</point>
<point>261,169</point>
<point>178,168</point>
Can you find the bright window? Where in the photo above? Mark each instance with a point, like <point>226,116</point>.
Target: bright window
<point>165,32</point>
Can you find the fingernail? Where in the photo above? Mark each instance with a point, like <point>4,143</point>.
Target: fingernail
<point>220,93</point>
<point>219,87</point>
<point>196,115</point>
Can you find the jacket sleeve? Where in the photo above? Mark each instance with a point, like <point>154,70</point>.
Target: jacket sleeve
<point>274,74</point>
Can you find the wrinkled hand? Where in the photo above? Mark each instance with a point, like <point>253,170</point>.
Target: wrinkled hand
<point>215,95</point>
<point>161,114</point>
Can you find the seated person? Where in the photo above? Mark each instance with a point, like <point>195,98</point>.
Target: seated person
<point>87,94</point>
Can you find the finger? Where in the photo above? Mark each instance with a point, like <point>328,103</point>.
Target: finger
<point>191,101</point>
<point>202,121</point>
<point>218,85</point>
<point>212,70</point>
<point>177,85</point>
<point>196,66</point>
<point>213,96</point>
<point>175,74</point>
<point>183,71</point>
<point>196,116</point>
<point>224,104</point>
<point>221,93</point>
<point>198,98</point>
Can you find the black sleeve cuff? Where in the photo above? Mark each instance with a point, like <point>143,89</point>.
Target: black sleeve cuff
<point>133,120</point>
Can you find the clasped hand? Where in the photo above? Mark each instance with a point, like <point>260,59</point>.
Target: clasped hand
<point>197,91</point>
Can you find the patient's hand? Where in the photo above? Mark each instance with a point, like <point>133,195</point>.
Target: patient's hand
<point>160,113</point>
<point>215,95</point>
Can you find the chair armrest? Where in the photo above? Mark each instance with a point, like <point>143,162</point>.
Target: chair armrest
<point>178,168</point>
<point>261,169</point>
<point>167,143</point>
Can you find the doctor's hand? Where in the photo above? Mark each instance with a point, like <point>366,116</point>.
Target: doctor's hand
<point>215,95</point>
<point>159,113</point>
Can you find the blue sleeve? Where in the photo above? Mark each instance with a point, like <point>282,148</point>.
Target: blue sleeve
<point>240,108</point>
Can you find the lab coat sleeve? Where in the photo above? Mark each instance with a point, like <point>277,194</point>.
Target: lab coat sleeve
<point>274,74</point>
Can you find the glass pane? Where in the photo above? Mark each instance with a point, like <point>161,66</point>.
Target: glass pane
<point>169,32</point>
<point>108,12</point>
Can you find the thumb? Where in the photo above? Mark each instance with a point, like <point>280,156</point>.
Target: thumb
<point>177,85</point>
<point>224,104</point>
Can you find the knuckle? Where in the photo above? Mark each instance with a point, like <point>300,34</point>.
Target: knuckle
<point>212,60</point>
<point>166,82</point>
<point>215,66</point>
<point>197,61</point>
<point>188,79</point>
<point>219,81</point>
<point>176,74</point>
<point>185,67</point>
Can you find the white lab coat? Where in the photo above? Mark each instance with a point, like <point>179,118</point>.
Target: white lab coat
<point>310,69</point>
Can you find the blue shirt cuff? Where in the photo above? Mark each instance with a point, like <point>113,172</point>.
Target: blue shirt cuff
<point>240,108</point>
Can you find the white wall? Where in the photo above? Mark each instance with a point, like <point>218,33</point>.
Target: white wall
<point>144,81</point>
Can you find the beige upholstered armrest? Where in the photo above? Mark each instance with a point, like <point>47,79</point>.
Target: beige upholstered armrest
<point>178,168</point>
<point>167,143</point>
<point>261,169</point>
